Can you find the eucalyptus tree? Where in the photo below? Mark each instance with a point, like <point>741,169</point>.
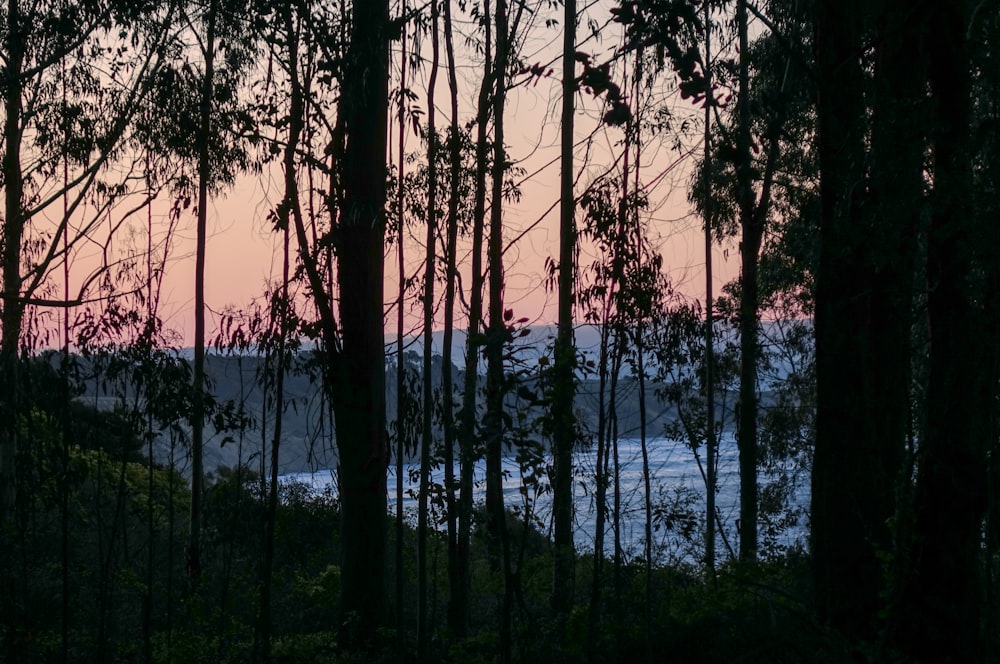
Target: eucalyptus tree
<point>942,602</point>
<point>865,276</point>
<point>469,413</point>
<point>457,581</point>
<point>677,31</point>
<point>563,387</point>
<point>427,430</point>
<point>401,427</point>
<point>204,87</point>
<point>496,336</point>
<point>596,300</point>
<point>749,152</point>
<point>623,295</point>
<point>358,385</point>
<point>208,46</point>
<point>281,329</point>
<point>108,52</point>
<point>711,442</point>
<point>346,145</point>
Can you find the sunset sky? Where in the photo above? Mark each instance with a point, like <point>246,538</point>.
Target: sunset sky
<point>244,252</point>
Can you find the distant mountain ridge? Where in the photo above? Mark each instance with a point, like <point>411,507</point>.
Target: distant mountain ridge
<point>307,441</point>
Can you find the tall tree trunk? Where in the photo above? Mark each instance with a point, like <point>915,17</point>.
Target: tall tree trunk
<point>752,226</point>
<point>898,147</point>
<point>564,378</point>
<point>427,437</point>
<point>13,232</point>
<point>201,237</point>
<point>643,312</point>
<point>839,535</point>
<point>943,598</point>
<point>470,410</point>
<point>862,331</point>
<point>496,339</point>
<point>614,462</point>
<point>358,372</point>
<point>402,426</point>
<point>455,580</point>
<point>711,444</point>
<point>290,202</point>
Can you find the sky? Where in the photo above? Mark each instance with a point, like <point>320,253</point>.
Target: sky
<point>243,253</point>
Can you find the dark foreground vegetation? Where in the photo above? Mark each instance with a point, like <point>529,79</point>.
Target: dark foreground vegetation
<point>97,569</point>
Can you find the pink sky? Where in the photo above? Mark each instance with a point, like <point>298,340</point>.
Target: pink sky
<point>244,253</point>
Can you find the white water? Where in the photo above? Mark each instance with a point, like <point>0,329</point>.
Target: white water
<point>677,489</point>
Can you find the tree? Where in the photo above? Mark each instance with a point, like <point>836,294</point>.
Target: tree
<point>201,233</point>
<point>281,320</point>
<point>469,414</point>
<point>401,426</point>
<point>563,386</point>
<point>352,342</point>
<point>358,373</point>
<point>711,444</point>
<point>942,599</point>
<point>427,430</point>
<point>497,336</point>
<point>865,276</point>
<point>457,584</point>
<point>96,106</point>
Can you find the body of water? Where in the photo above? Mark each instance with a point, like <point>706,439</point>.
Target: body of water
<point>677,490</point>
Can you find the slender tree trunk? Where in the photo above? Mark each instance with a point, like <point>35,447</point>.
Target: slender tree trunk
<point>427,437</point>
<point>271,513</point>
<point>752,227</point>
<point>470,410</point>
<point>201,237</point>
<point>564,378</point>
<point>65,386</point>
<point>151,313</point>
<point>496,338</point>
<point>296,120</point>
<point>455,580</point>
<point>614,461</point>
<point>642,313</point>
<point>601,490</point>
<point>13,232</point>
<point>711,445</point>
<point>402,426</point>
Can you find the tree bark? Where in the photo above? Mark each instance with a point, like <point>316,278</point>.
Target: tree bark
<point>862,331</point>
<point>470,410</point>
<point>496,338</point>
<point>752,227</point>
<point>201,237</point>
<point>455,579</point>
<point>711,445</point>
<point>402,426</point>
<point>13,231</point>
<point>564,380</point>
<point>358,371</point>
<point>943,599</point>
<point>427,432</point>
